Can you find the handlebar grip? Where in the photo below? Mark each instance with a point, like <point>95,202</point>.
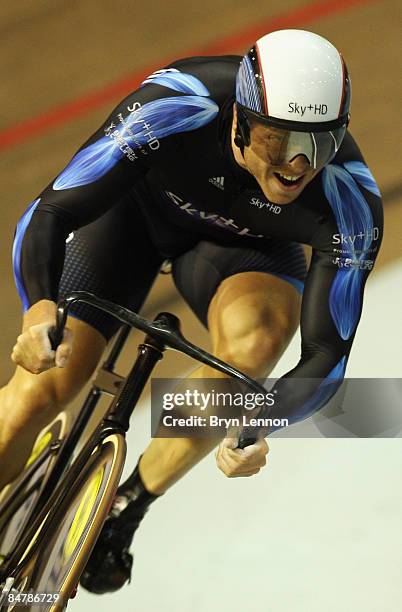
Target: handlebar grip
<point>55,336</point>
<point>243,442</point>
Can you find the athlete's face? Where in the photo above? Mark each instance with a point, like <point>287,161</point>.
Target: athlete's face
<point>261,160</point>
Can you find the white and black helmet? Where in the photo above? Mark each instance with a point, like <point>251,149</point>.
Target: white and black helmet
<point>295,81</point>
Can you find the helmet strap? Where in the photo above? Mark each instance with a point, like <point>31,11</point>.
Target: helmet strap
<point>242,137</point>
<point>239,142</point>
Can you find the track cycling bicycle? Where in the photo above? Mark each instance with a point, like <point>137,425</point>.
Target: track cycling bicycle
<point>52,515</point>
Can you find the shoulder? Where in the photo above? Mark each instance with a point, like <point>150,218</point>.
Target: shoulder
<point>348,182</point>
<point>216,73</point>
<point>347,189</point>
<point>192,83</point>
<point>181,97</point>
<point>210,78</point>
<point>349,150</point>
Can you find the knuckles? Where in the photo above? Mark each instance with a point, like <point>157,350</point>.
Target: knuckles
<point>241,460</point>
<point>33,333</point>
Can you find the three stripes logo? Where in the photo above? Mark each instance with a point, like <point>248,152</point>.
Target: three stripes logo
<point>218,181</point>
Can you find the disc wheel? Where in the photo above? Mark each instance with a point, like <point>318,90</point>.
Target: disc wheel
<point>17,500</point>
<point>67,539</point>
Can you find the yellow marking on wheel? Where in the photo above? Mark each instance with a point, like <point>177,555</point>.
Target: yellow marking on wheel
<point>39,447</point>
<point>82,515</point>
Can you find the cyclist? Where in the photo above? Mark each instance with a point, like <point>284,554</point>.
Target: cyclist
<point>226,165</point>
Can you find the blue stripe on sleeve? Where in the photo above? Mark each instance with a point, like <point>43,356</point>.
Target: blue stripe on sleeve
<point>17,246</point>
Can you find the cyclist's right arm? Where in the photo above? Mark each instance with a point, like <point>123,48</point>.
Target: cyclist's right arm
<point>117,155</point>
<point>92,182</point>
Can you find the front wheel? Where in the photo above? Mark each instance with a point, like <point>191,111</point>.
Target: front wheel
<point>66,542</point>
<point>17,500</point>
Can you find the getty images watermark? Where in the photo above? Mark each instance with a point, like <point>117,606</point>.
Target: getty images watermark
<point>315,408</point>
<point>196,412</point>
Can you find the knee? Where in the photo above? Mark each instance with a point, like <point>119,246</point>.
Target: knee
<point>32,398</point>
<point>252,318</point>
<point>255,346</point>
<point>42,398</point>
<point>253,354</point>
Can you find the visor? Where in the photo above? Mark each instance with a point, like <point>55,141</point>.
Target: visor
<point>318,147</point>
<point>281,145</point>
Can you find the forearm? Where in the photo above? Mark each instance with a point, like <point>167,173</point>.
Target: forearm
<point>306,389</point>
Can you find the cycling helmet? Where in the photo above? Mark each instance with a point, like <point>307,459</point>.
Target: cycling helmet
<point>297,84</point>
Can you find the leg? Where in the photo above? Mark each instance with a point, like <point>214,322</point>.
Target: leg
<point>252,318</point>
<point>252,313</point>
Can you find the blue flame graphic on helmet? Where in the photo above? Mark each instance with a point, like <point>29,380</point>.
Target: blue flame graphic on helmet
<point>166,116</point>
<point>353,217</point>
<point>247,92</point>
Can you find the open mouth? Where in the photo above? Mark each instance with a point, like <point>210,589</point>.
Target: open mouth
<point>289,181</point>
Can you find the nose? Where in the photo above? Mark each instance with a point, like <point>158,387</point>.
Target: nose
<point>299,164</point>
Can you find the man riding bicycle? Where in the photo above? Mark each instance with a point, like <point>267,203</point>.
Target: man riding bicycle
<point>224,165</point>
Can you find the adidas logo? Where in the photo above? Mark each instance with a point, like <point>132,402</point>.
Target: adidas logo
<point>218,181</point>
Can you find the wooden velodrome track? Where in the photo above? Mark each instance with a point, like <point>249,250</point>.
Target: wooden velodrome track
<point>66,62</point>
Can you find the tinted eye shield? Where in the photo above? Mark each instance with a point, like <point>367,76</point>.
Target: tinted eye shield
<point>287,139</point>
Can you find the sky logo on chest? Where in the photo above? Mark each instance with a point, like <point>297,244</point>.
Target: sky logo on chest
<point>219,183</point>
<point>210,217</point>
<point>267,206</point>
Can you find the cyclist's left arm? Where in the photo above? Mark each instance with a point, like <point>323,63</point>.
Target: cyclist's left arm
<point>333,295</point>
